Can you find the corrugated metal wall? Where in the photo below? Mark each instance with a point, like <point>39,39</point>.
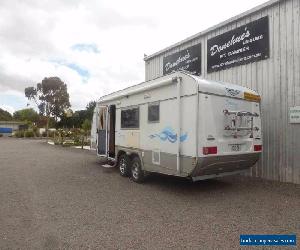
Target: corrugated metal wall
<point>277,79</point>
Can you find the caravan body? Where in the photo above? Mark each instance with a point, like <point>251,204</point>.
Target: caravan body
<point>181,125</point>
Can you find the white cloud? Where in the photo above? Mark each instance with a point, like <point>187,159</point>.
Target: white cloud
<point>8,108</point>
<point>36,35</point>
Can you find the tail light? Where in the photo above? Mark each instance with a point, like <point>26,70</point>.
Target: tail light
<point>210,150</point>
<point>257,147</point>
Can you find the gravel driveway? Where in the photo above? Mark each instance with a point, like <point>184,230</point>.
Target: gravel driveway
<point>61,198</point>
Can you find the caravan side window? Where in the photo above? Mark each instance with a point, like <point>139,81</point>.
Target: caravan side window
<point>130,118</point>
<point>102,118</point>
<point>153,112</point>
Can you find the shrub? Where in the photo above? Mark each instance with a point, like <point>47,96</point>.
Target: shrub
<point>19,134</point>
<point>37,134</point>
<point>68,143</point>
<point>29,133</point>
<point>50,133</point>
<point>85,143</point>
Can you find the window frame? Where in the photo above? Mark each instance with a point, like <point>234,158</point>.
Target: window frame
<point>126,109</point>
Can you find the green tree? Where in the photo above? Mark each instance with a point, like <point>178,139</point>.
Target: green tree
<point>86,125</point>
<point>4,115</point>
<point>29,115</point>
<point>78,117</point>
<point>90,110</point>
<point>51,97</point>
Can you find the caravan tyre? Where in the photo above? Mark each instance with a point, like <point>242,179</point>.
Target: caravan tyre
<point>124,165</point>
<point>137,173</point>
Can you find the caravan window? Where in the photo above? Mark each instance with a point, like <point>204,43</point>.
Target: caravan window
<point>153,112</point>
<point>130,118</point>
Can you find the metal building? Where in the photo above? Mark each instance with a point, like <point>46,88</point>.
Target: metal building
<point>8,127</point>
<point>259,49</point>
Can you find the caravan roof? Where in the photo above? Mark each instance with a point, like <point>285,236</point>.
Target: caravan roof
<point>205,86</point>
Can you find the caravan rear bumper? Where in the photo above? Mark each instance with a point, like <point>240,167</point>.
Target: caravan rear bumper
<point>213,165</point>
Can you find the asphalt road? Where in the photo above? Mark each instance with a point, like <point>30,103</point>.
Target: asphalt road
<point>61,198</point>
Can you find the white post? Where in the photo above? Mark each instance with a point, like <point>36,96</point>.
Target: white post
<point>197,124</point>
<point>107,134</point>
<point>178,123</point>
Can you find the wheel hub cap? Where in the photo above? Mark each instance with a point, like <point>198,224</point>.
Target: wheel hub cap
<point>122,166</point>
<point>135,171</point>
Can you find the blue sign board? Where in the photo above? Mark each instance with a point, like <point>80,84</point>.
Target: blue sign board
<point>5,130</point>
<point>268,240</point>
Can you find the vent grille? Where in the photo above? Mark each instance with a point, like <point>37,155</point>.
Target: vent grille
<point>156,157</point>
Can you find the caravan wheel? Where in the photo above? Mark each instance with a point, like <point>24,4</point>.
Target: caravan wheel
<point>124,165</point>
<point>137,173</point>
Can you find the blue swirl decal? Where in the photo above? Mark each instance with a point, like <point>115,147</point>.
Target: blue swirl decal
<point>168,134</point>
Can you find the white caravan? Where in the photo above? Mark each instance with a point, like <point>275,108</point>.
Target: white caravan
<point>180,125</point>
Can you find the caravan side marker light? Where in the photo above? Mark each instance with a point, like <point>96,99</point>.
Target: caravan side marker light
<point>210,150</point>
<point>251,97</point>
<point>257,147</point>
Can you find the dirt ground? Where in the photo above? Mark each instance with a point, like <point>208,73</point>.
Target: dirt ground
<point>62,198</point>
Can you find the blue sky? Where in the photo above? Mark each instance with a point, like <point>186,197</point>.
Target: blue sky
<point>84,73</point>
<point>92,48</point>
<point>95,47</point>
<point>12,100</point>
<point>80,70</point>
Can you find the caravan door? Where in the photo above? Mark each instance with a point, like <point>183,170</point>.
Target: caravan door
<point>106,131</point>
<point>102,132</point>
